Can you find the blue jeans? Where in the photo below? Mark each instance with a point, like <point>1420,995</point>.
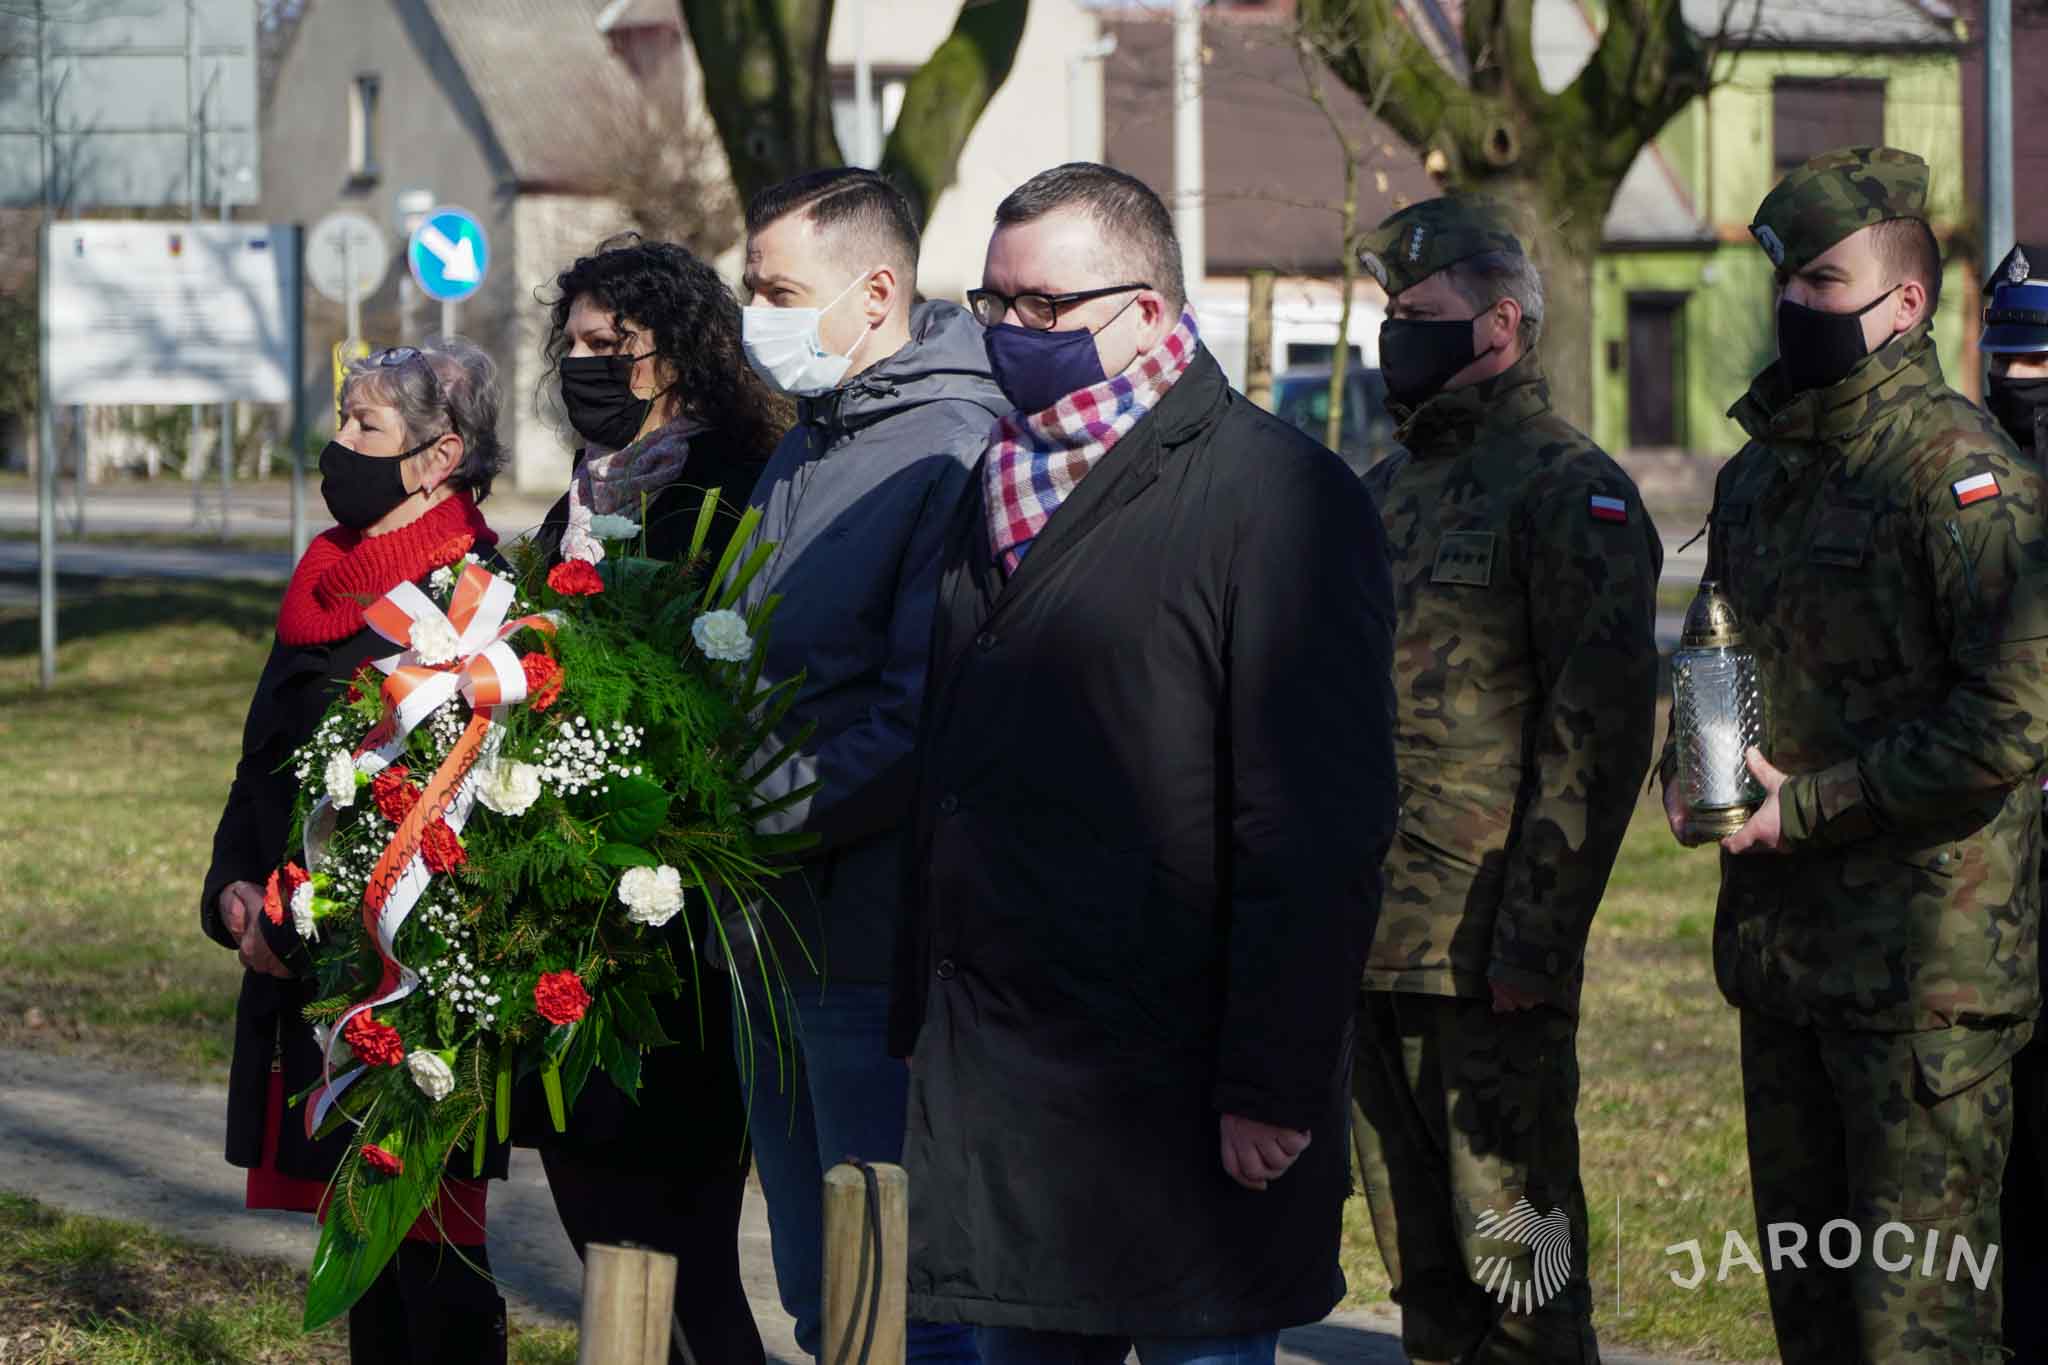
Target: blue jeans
<point>1020,1346</point>
<point>841,1094</point>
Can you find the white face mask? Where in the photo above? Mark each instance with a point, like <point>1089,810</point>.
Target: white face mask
<point>785,347</point>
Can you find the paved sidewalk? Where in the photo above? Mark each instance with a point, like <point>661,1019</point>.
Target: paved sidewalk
<point>83,1137</point>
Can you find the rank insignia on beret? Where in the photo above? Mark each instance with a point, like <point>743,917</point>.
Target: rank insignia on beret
<point>1607,509</point>
<point>1976,488</point>
<point>1769,241</point>
<point>2019,270</point>
<point>1415,236</point>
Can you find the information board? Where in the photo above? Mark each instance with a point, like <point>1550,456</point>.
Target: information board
<point>170,312</point>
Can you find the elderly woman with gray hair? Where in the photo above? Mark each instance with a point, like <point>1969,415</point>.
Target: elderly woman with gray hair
<point>415,453</point>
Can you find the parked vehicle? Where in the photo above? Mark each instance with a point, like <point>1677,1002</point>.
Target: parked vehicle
<point>1301,396</point>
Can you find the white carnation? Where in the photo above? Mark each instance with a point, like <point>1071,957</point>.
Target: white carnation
<point>652,894</point>
<point>434,640</point>
<point>341,779</point>
<point>605,526</point>
<point>442,579</point>
<point>433,1076</point>
<point>302,912</point>
<point>722,635</point>
<point>509,788</point>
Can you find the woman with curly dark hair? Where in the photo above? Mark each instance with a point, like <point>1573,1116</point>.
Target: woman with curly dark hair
<point>646,340</point>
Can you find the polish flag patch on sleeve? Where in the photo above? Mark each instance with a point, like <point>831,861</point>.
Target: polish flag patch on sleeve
<point>1976,488</point>
<point>1607,509</point>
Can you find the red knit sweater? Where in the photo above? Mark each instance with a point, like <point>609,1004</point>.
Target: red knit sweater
<point>345,571</point>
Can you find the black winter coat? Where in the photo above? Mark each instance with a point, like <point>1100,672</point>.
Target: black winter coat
<point>299,682</point>
<point>1156,783</point>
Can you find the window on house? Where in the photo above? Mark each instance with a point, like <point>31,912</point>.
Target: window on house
<point>887,86</point>
<point>362,128</point>
<point>1809,117</point>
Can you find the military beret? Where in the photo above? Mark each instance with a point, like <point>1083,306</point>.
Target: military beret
<point>1423,238</point>
<point>1833,195</point>
<point>2016,303</point>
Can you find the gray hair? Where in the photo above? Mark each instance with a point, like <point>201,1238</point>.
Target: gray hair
<point>1486,279</point>
<point>452,387</point>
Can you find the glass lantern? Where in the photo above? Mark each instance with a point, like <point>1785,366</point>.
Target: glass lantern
<point>1717,713</point>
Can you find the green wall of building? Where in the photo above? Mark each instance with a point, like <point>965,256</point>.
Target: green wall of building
<point>1721,149</point>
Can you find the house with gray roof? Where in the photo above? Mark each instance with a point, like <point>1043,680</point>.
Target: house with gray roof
<point>537,116</point>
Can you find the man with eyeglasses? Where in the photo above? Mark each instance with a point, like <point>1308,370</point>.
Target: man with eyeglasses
<point>1155,782</point>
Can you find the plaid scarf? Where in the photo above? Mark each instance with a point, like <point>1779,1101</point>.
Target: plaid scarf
<point>1036,459</point>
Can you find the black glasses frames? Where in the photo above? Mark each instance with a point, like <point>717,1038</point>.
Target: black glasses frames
<point>1040,312</point>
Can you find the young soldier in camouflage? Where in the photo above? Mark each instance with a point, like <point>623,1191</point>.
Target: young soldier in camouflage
<point>1525,678</point>
<point>1884,548</point>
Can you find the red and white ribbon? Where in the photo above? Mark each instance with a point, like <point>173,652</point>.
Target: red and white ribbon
<point>487,674</point>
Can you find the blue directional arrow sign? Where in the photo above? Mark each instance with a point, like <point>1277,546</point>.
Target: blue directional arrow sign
<point>449,254</point>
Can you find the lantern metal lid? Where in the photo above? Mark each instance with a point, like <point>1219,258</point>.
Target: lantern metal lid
<point>1710,621</point>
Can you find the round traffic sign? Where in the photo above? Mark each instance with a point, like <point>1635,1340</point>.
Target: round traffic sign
<point>346,247</point>
<point>449,254</point>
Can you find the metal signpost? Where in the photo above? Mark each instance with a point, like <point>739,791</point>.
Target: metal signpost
<point>346,258</point>
<point>449,255</point>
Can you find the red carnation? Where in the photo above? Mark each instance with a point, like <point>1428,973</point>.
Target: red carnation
<point>441,849</point>
<point>377,1159</point>
<point>395,797</point>
<point>279,890</point>
<point>574,578</point>
<point>377,1044</point>
<point>366,681</point>
<point>560,997</point>
<point>543,680</point>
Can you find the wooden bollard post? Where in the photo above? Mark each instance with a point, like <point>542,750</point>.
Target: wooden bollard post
<point>629,1297</point>
<point>846,1290</point>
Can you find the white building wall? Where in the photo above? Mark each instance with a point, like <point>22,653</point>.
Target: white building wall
<point>549,231</point>
<point>1306,312</point>
<point>1032,122</point>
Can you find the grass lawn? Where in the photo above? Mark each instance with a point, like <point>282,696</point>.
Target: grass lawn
<point>85,1291</point>
<point>112,786</point>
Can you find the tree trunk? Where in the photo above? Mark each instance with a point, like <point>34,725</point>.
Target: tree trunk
<point>767,84</point>
<point>769,89</point>
<point>1258,343</point>
<point>1566,258</point>
<point>942,102</point>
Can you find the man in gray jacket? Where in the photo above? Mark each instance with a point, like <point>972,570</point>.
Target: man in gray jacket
<point>895,404</point>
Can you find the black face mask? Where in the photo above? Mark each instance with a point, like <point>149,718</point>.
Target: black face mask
<point>1418,358</point>
<point>2017,404</point>
<point>359,489</point>
<point>597,392</point>
<point>1817,349</point>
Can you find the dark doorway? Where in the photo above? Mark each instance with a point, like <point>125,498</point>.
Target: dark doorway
<point>1656,342</point>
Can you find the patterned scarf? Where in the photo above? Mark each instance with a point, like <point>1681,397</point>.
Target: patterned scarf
<point>1036,459</point>
<point>611,482</point>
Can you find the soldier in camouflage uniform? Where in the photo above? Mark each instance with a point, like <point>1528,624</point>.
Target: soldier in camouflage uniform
<point>1883,547</point>
<point>1525,675</point>
<point>2015,346</point>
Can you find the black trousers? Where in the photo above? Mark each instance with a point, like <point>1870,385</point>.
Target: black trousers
<point>691,1212</point>
<point>433,1305</point>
